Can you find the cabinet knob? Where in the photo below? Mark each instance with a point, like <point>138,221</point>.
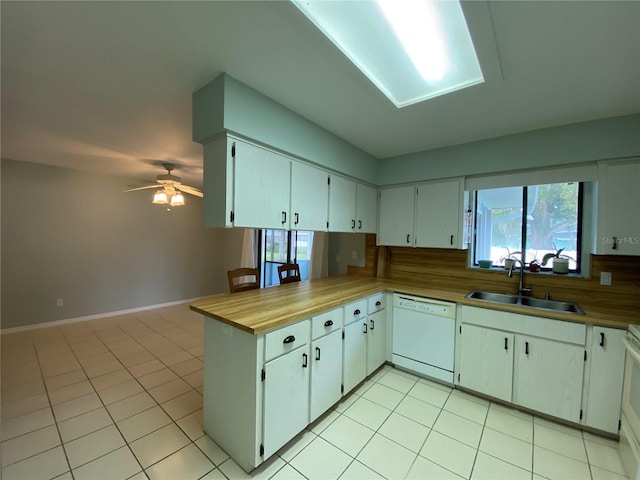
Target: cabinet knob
<point>328,323</point>
<point>378,303</point>
<point>356,311</point>
<point>289,339</point>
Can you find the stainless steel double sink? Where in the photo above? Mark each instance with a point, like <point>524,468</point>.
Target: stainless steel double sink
<point>524,301</point>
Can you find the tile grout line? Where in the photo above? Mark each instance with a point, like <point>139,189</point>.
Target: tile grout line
<point>174,421</point>
<point>114,423</point>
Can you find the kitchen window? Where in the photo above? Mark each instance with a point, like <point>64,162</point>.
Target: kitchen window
<point>277,247</point>
<point>526,223</point>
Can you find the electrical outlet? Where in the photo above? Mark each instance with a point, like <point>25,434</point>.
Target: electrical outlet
<point>60,302</point>
<point>354,254</point>
<point>605,278</point>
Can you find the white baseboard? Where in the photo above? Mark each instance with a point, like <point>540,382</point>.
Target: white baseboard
<point>57,323</point>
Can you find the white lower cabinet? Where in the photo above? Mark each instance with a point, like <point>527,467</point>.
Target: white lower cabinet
<point>603,388</point>
<point>286,398</point>
<point>567,370</point>
<point>326,361</point>
<point>376,340</point>
<point>326,378</point>
<point>262,390</point>
<point>355,354</point>
<point>548,377</point>
<point>493,374</point>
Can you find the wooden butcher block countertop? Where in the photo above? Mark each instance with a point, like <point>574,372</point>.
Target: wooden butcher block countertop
<point>257,311</point>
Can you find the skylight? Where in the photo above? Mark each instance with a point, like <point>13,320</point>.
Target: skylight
<point>412,50</point>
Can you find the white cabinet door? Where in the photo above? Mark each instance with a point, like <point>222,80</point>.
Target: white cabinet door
<point>396,216</point>
<point>261,187</point>
<point>366,209</point>
<point>342,204</point>
<point>438,216</point>
<point>286,398</point>
<point>603,395</point>
<point>355,354</point>
<point>548,376</point>
<point>486,361</point>
<point>376,340</point>
<point>617,216</point>
<point>326,373</point>
<point>309,197</point>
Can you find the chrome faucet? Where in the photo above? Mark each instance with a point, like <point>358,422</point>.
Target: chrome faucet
<point>522,290</point>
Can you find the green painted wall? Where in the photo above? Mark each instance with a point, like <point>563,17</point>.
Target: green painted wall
<point>226,104</point>
<point>609,138</point>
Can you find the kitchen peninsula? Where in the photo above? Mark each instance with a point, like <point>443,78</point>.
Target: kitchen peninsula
<point>264,350</point>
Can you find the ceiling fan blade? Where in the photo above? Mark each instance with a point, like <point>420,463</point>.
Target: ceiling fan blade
<point>189,190</point>
<point>142,188</point>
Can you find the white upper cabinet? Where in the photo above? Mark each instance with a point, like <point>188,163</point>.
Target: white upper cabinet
<point>618,219</point>
<point>342,204</point>
<point>352,206</point>
<point>366,209</point>
<point>438,214</point>
<point>261,187</point>
<point>426,215</point>
<point>246,185</point>
<point>309,197</point>
<point>396,216</point>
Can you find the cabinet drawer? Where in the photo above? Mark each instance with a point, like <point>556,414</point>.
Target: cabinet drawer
<point>326,322</point>
<point>355,311</point>
<point>286,339</point>
<point>376,302</point>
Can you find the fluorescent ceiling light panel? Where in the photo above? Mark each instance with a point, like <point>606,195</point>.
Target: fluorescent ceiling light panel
<point>412,50</point>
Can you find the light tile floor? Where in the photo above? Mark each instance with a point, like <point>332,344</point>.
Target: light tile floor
<point>121,397</point>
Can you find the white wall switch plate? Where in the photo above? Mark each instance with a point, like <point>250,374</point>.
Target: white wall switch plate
<point>60,302</point>
<point>605,278</point>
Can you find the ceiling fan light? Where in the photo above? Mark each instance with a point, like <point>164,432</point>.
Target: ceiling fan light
<point>160,197</point>
<point>177,200</point>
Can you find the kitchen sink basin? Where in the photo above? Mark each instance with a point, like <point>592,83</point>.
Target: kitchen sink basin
<point>520,300</point>
<point>494,297</point>
<point>551,305</point>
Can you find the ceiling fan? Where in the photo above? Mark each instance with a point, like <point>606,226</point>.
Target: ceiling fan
<point>170,188</point>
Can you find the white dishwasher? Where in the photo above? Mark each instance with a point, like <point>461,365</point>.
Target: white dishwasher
<point>424,336</point>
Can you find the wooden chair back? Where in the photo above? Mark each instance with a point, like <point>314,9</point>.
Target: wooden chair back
<point>242,279</point>
<point>289,273</point>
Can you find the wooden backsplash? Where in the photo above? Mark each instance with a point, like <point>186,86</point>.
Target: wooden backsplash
<point>447,269</point>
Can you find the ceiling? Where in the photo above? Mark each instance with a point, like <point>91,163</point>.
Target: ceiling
<point>106,86</point>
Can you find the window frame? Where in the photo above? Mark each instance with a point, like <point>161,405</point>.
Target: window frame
<point>523,233</point>
<point>291,252</point>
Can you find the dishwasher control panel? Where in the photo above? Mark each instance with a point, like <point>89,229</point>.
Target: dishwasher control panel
<point>425,305</point>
